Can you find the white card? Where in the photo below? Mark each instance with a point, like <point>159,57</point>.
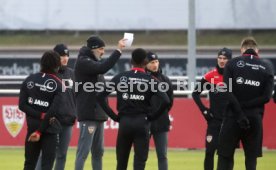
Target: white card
<point>129,37</point>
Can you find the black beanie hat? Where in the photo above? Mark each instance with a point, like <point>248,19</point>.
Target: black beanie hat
<point>138,56</point>
<point>61,49</point>
<point>151,56</point>
<point>225,52</point>
<point>94,42</point>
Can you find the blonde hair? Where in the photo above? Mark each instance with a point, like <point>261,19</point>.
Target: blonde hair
<point>249,43</point>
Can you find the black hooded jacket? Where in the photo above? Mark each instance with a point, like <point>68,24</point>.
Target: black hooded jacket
<point>162,124</point>
<point>89,71</point>
<point>66,74</point>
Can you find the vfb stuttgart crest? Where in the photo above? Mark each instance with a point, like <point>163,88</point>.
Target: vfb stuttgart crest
<point>13,119</point>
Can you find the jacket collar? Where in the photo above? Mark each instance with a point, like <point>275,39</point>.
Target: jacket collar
<point>250,52</point>
<point>85,51</point>
<point>138,69</point>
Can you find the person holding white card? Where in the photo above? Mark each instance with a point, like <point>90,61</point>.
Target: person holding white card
<point>89,68</point>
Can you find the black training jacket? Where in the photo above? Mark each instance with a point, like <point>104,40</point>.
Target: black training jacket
<point>130,100</point>
<point>162,124</point>
<point>88,70</point>
<point>250,82</point>
<point>66,74</point>
<point>39,95</point>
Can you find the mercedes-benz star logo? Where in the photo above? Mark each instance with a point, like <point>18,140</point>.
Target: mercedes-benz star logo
<point>240,63</point>
<point>123,79</point>
<point>30,84</point>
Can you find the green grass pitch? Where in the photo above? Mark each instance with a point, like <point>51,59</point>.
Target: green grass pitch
<point>13,158</point>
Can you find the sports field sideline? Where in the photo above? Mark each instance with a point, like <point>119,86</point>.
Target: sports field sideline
<point>13,158</point>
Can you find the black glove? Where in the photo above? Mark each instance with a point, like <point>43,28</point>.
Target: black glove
<point>150,118</point>
<point>54,126</point>
<point>208,115</point>
<point>116,119</point>
<point>243,122</point>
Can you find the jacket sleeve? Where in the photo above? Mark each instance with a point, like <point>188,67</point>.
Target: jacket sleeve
<point>91,67</point>
<point>56,109</point>
<point>53,111</point>
<point>164,103</point>
<point>101,98</point>
<point>170,92</point>
<point>23,103</point>
<point>196,94</point>
<point>227,75</point>
<point>264,98</point>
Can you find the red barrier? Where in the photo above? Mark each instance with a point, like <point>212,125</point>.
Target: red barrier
<point>187,130</point>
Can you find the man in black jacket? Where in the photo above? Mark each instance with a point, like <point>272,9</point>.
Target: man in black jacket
<point>134,90</point>
<point>39,99</point>
<point>213,114</point>
<point>67,119</point>
<point>160,127</point>
<point>89,70</point>
<point>250,83</point>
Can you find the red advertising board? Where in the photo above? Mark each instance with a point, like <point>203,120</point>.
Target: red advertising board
<point>187,125</point>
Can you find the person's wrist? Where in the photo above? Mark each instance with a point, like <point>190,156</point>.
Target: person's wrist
<point>38,133</point>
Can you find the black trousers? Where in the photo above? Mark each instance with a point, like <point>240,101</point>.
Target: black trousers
<point>47,145</point>
<point>161,143</point>
<point>134,131</point>
<point>211,143</point>
<point>251,139</point>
